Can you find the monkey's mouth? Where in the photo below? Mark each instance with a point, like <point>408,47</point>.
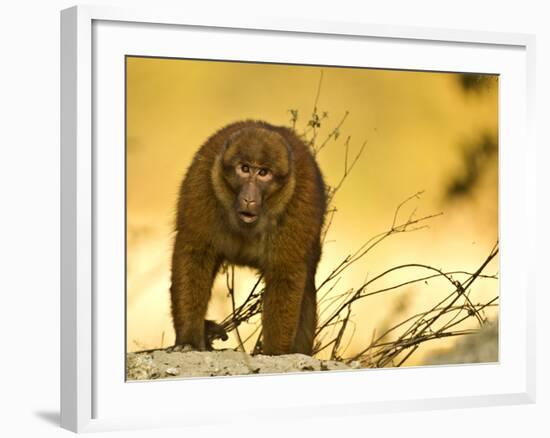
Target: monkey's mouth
<point>248,217</point>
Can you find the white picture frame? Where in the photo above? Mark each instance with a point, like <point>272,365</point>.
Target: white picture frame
<point>94,396</point>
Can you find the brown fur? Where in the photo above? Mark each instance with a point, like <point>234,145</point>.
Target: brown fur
<point>283,242</point>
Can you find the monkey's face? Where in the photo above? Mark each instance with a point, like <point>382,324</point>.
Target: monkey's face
<point>254,180</point>
<point>256,165</point>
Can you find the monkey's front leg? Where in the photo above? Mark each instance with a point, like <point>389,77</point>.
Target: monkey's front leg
<point>193,272</point>
<point>281,310</point>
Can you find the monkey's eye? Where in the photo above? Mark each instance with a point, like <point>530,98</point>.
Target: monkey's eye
<point>245,168</point>
<point>265,175</point>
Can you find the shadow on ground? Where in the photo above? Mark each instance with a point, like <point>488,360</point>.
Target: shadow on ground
<point>51,417</point>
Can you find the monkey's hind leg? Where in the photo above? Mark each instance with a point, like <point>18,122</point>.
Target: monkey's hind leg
<point>192,277</point>
<point>303,343</point>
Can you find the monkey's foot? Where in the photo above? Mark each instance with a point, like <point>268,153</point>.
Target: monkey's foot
<point>181,348</point>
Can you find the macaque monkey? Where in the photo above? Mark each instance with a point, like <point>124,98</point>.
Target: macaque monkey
<point>252,196</point>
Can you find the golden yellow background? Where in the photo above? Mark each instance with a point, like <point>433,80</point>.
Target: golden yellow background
<point>416,124</point>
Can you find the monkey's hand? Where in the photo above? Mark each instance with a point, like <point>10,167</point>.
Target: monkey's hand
<point>213,331</point>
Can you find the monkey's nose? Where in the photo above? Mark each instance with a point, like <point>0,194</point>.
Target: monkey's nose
<point>249,202</point>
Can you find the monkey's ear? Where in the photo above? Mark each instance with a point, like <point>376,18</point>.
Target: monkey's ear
<point>231,138</point>
<point>225,159</point>
<point>290,155</point>
<point>289,151</point>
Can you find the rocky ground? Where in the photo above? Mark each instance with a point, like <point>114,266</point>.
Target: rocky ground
<point>170,363</point>
<point>176,362</point>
